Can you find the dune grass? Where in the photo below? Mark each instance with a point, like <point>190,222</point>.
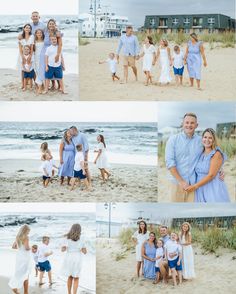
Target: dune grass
<point>83,41</point>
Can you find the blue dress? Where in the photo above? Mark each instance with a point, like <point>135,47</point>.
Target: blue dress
<point>194,60</point>
<point>215,190</point>
<point>67,168</point>
<point>149,266</point>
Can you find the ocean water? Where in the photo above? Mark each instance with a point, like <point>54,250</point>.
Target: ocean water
<point>127,143</point>
<point>67,24</point>
<point>55,225</point>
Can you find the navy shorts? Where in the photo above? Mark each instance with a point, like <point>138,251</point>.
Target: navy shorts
<point>54,73</point>
<point>44,266</point>
<point>79,174</point>
<point>157,269</point>
<point>29,75</point>
<point>37,266</point>
<point>45,178</point>
<point>173,264</point>
<point>178,71</point>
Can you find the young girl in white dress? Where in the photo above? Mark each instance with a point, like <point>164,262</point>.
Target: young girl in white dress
<point>188,258</point>
<point>101,158</point>
<point>139,237</point>
<point>72,263</point>
<point>165,60</point>
<point>38,46</point>
<point>23,261</point>
<point>149,55</point>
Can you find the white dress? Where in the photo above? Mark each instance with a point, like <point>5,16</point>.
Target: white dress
<point>37,54</point>
<point>22,268</point>
<point>23,43</point>
<point>188,260</point>
<point>148,57</point>
<point>72,263</point>
<point>102,161</point>
<point>165,66</point>
<point>141,238</point>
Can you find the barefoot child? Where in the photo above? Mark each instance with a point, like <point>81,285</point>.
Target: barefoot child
<point>178,65</point>
<point>72,264</point>
<point>112,62</point>
<point>35,257</point>
<point>149,56</point>
<point>101,158</point>
<point>44,265</point>
<point>27,67</point>
<point>54,70</point>
<point>79,168</point>
<point>173,252</point>
<point>47,166</point>
<point>159,257</point>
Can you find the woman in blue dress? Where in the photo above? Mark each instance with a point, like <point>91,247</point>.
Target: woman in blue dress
<point>209,186</point>
<point>51,30</point>
<point>149,248</point>
<point>67,157</point>
<point>193,57</point>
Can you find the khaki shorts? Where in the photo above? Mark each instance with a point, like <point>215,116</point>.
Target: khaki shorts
<point>179,195</point>
<point>129,61</point>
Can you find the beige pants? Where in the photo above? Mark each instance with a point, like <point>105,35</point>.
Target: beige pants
<point>179,195</point>
<point>129,61</point>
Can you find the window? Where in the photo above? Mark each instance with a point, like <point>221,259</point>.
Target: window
<point>186,20</point>
<point>163,22</point>
<point>197,21</point>
<point>175,21</point>
<point>152,21</point>
<point>211,20</point>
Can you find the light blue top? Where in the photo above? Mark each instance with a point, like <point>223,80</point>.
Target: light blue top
<point>183,153</point>
<point>81,139</point>
<point>39,25</point>
<point>130,45</point>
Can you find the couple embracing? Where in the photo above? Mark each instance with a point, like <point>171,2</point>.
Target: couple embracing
<point>195,165</point>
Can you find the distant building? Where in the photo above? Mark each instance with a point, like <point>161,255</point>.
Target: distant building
<point>101,23</point>
<point>188,23</point>
<point>226,130</point>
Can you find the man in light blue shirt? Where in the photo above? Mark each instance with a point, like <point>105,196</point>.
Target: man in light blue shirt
<point>130,46</point>
<point>80,138</point>
<point>36,23</point>
<point>181,156</point>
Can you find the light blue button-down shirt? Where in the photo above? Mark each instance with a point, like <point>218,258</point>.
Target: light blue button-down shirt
<point>183,153</point>
<point>130,45</point>
<point>39,25</point>
<point>81,139</point>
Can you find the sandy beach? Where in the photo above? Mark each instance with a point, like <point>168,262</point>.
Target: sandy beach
<point>10,89</point>
<point>21,182</point>
<point>218,78</point>
<point>163,182</point>
<point>214,274</point>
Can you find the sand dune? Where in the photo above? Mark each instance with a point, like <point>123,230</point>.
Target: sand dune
<point>218,79</point>
<point>214,274</point>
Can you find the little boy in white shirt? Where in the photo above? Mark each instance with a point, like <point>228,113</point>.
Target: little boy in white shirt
<point>112,62</point>
<point>47,166</point>
<point>44,265</point>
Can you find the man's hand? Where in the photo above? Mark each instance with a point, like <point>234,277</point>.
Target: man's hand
<point>191,188</point>
<point>183,184</point>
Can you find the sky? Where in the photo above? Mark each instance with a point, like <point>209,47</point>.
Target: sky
<point>208,113</point>
<point>47,207</point>
<point>137,9</point>
<point>44,7</point>
<point>79,111</point>
<point>157,211</point>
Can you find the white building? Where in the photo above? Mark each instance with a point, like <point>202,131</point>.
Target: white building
<point>102,23</point>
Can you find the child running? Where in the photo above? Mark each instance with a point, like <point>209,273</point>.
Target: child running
<point>101,158</point>
<point>178,65</point>
<point>112,62</point>
<point>27,68</point>
<point>44,265</point>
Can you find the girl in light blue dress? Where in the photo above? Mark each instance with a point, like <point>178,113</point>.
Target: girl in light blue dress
<point>149,257</point>
<point>67,157</point>
<point>193,57</point>
<point>209,186</point>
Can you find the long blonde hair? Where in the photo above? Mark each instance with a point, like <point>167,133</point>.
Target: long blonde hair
<point>74,233</point>
<point>22,234</point>
<point>186,234</point>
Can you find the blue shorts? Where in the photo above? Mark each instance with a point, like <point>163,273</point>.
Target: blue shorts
<point>37,266</point>
<point>29,75</point>
<point>79,174</point>
<point>157,269</point>
<point>173,264</point>
<point>178,71</point>
<point>45,178</point>
<point>45,266</point>
<point>54,73</point>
